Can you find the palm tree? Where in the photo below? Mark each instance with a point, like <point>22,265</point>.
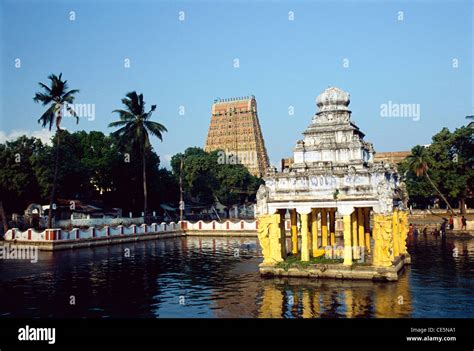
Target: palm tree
<point>57,97</point>
<point>135,127</point>
<point>417,163</point>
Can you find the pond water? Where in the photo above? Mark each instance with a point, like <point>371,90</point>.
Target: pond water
<point>218,277</point>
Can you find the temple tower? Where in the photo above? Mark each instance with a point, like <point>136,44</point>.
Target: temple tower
<point>235,129</point>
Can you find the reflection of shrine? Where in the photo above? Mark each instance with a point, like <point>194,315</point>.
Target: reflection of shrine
<point>302,298</point>
<point>334,175</point>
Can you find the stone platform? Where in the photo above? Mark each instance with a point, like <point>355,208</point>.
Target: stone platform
<point>340,271</point>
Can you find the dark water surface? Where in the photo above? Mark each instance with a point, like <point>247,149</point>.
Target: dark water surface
<point>218,277</point>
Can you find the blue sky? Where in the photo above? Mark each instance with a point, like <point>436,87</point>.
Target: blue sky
<point>283,63</point>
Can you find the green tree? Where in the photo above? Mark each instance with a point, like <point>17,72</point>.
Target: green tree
<point>418,162</point>
<point>57,97</point>
<point>207,179</point>
<point>135,127</point>
<point>18,182</point>
<point>460,177</point>
<point>199,173</point>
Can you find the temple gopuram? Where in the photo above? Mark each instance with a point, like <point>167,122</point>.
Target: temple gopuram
<point>347,212</point>
<point>235,129</point>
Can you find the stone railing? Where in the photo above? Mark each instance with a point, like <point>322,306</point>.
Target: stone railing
<point>221,226</point>
<point>108,231</point>
<point>91,232</point>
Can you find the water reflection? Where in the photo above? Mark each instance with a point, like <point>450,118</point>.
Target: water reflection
<point>218,277</point>
<point>301,298</point>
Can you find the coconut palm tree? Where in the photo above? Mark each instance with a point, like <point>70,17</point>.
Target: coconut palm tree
<point>418,164</point>
<point>57,97</point>
<point>135,127</point>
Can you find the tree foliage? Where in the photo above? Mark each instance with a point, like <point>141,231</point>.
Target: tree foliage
<point>94,168</point>
<point>449,162</point>
<point>205,179</point>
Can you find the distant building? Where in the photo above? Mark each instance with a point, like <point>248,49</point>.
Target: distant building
<point>286,163</point>
<point>235,129</point>
<point>392,158</point>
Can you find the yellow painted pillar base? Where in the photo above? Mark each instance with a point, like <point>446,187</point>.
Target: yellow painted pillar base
<point>305,244</point>
<point>294,232</point>
<point>332,227</point>
<point>283,233</point>
<point>355,238</point>
<point>324,228</point>
<point>314,231</point>
<point>367,228</point>
<point>333,239</point>
<point>347,240</point>
<point>367,242</point>
<point>361,228</point>
<point>395,234</point>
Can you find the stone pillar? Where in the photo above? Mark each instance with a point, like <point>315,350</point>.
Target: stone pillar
<point>283,233</point>
<point>314,230</point>
<point>396,245</point>
<point>383,240</point>
<point>276,239</point>
<point>332,226</point>
<point>355,238</point>
<point>294,232</point>
<point>403,231</point>
<point>367,228</point>
<point>310,238</point>
<point>305,245</point>
<point>360,227</point>
<point>346,218</point>
<point>324,228</point>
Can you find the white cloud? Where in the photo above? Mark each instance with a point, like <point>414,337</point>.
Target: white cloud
<point>44,135</point>
<point>165,161</point>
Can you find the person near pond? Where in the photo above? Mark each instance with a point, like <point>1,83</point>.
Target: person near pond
<point>415,231</point>
<point>451,222</point>
<point>425,232</point>
<point>463,223</point>
<point>443,227</point>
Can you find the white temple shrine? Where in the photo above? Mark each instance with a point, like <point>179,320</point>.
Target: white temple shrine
<point>334,175</point>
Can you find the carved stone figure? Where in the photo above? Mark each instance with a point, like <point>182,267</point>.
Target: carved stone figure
<point>264,227</point>
<point>383,240</point>
<point>271,237</point>
<point>403,231</point>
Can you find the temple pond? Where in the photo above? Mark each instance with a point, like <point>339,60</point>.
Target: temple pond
<point>219,277</point>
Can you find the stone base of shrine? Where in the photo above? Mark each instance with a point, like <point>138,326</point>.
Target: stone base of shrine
<point>340,271</point>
